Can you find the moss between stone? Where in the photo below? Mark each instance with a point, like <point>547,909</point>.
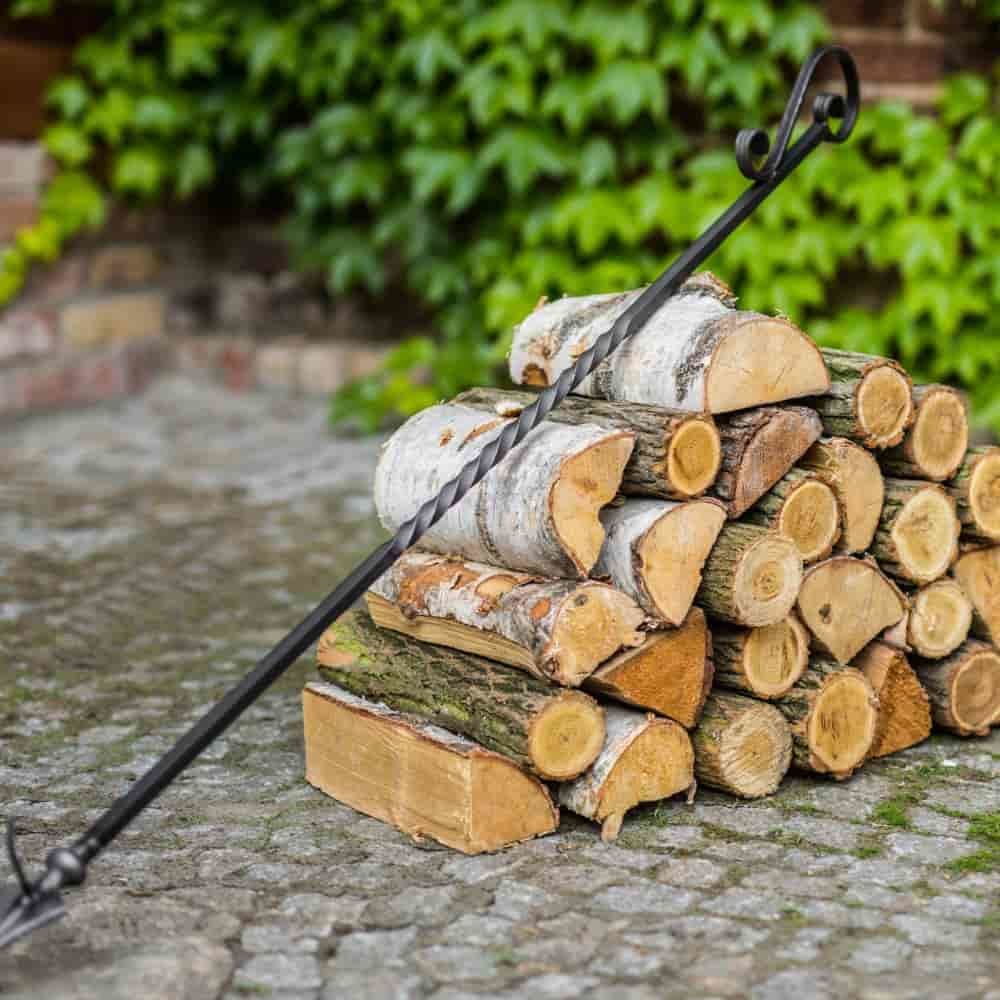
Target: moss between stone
<point>984,828</point>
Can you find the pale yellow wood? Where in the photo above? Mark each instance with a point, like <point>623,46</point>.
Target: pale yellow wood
<point>978,574</point>
<point>904,713</point>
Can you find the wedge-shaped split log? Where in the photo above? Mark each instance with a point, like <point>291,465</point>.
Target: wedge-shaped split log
<point>559,630</point>
<point>764,662</point>
<point>805,509</point>
<point>917,537</point>
<point>423,780</point>
<point>697,353</point>
<point>964,688</point>
<point>536,512</point>
<point>644,759</point>
<point>976,489</point>
<point>978,574</point>
<point>904,711</point>
<point>935,445</point>
<point>937,622</point>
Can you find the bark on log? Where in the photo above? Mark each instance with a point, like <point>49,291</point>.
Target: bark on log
<point>805,509</point>
<point>676,454</point>
<point>559,630</point>
<point>978,574</point>
<point>847,602</point>
<point>417,777</point>
<point>670,673</point>
<point>854,476</point>
<point>644,759</point>
<point>758,447</point>
<point>763,662</point>
<point>939,619</point>
<point>751,577</point>
<point>536,512</point>
<point>697,353</point>
<point>555,733</point>
<point>654,551</point>
<point>976,490</point>
<point>935,445</point>
<point>964,688</point>
<point>917,537</point>
<point>741,746</point>
<point>904,711</point>
<point>870,399</point>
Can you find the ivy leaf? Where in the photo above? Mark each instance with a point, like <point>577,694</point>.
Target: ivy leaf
<point>68,144</point>
<point>138,170</point>
<point>191,52</point>
<point>429,56</point>
<point>195,169</point>
<point>524,155</point>
<point>110,116</point>
<point>75,199</point>
<point>628,87</point>
<point>597,162</point>
<point>158,114</point>
<point>963,96</point>
<point>359,179</point>
<point>612,30</point>
<point>740,18</point>
<point>69,96</point>
<point>568,98</point>
<point>797,32</point>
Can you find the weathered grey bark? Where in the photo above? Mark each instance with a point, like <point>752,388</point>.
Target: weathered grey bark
<point>964,688</point>
<point>976,491</point>
<point>904,713</point>
<point>917,537</point>
<point>935,445</point>
<point>763,662</point>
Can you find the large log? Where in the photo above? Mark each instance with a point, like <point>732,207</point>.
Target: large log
<point>751,577</point>
<point>697,352</point>
<point>853,474</point>
<point>904,711</point>
<point>644,759</point>
<point>670,673</point>
<point>676,454</point>
<point>553,732</point>
<point>976,490</point>
<point>741,746</point>
<point>758,447</point>
<point>964,688</point>
<point>536,512</point>
<point>935,445</point>
<point>654,551</point>
<point>978,574</point>
<point>870,399</point>
<point>763,662</point>
<point>917,537</point>
<point>559,630</point>
<point>421,779</point>
<point>847,602</point>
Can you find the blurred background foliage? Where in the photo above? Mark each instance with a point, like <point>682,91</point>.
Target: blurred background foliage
<point>471,156</point>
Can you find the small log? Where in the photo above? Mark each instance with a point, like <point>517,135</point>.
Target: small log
<point>870,399</point>
<point>833,714</point>
<point>976,490</point>
<point>654,551</point>
<point>904,711</point>
<point>697,353</point>
<point>854,475</point>
<point>751,577</point>
<point>417,777</point>
<point>644,759</point>
<point>741,746</point>
<point>804,508</point>
<point>670,673</point>
<point>559,630</point>
<point>917,537</point>
<point>978,574</point>
<point>964,688</point>
<point>536,512</point>
<point>939,619</point>
<point>763,662</point>
<point>676,454</point>
<point>553,732</point>
<point>847,602</point>
<point>758,447</point>
<point>935,445</point>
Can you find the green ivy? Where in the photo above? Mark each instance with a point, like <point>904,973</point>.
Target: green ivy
<point>477,155</point>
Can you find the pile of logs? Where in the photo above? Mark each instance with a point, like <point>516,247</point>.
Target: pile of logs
<point>680,578</point>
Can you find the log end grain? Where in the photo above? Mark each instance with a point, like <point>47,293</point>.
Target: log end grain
<point>936,443</point>
<point>810,517</point>
<point>904,713</point>
<point>565,738</point>
<point>693,455</point>
<point>924,535</point>
<point>767,581</point>
<point>884,405</point>
<point>775,657</point>
<point>978,574</point>
<point>964,689</point>
<point>984,494</point>
<point>842,724</point>
<point>939,620</point>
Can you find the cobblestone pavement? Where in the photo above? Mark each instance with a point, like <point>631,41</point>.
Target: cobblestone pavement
<point>148,555</point>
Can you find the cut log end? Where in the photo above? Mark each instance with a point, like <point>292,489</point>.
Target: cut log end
<point>978,574</point>
<point>842,725</point>
<point>939,619</point>
<point>975,693</point>
<point>925,535</point>
<point>940,434</point>
<point>566,737</point>
<point>984,494</point>
<point>767,580</point>
<point>884,406</point>
<point>775,656</point>
<point>810,517</point>
<point>904,714</point>
<point>693,457</point>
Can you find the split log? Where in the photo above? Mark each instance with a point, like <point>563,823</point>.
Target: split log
<point>676,454</point>
<point>764,662</point>
<point>758,447</point>
<point>976,489</point>
<point>833,714</point>
<point>870,399</point>
<point>964,688</point>
<point>696,353</point>
<point>559,630</point>
<point>904,711</point>
<point>419,778</point>
<point>854,475</point>
<point>654,551</point>
<point>741,746</point>
<point>644,759</point>
<point>670,673</point>
<point>846,602</point>
<point>751,577</point>
<point>804,508</point>
<point>939,619</point>
<point>935,445</point>
<point>553,732</point>
<point>978,574</point>
<point>917,537</point>
<point>536,512</point>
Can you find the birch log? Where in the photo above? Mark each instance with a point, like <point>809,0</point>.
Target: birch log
<point>935,445</point>
<point>559,630</point>
<point>421,779</point>
<point>644,759</point>
<point>904,712</point>
<point>978,574</point>
<point>676,454</point>
<point>964,688</point>
<point>697,353</point>
<point>853,474</point>
<point>536,512</point>
<point>976,490</point>
<point>763,662</point>
<point>758,447</point>
<point>654,551</point>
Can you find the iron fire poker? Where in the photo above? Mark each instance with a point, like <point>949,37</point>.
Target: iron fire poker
<point>31,904</point>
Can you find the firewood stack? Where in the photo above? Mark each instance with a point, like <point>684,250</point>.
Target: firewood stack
<point>731,553</point>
